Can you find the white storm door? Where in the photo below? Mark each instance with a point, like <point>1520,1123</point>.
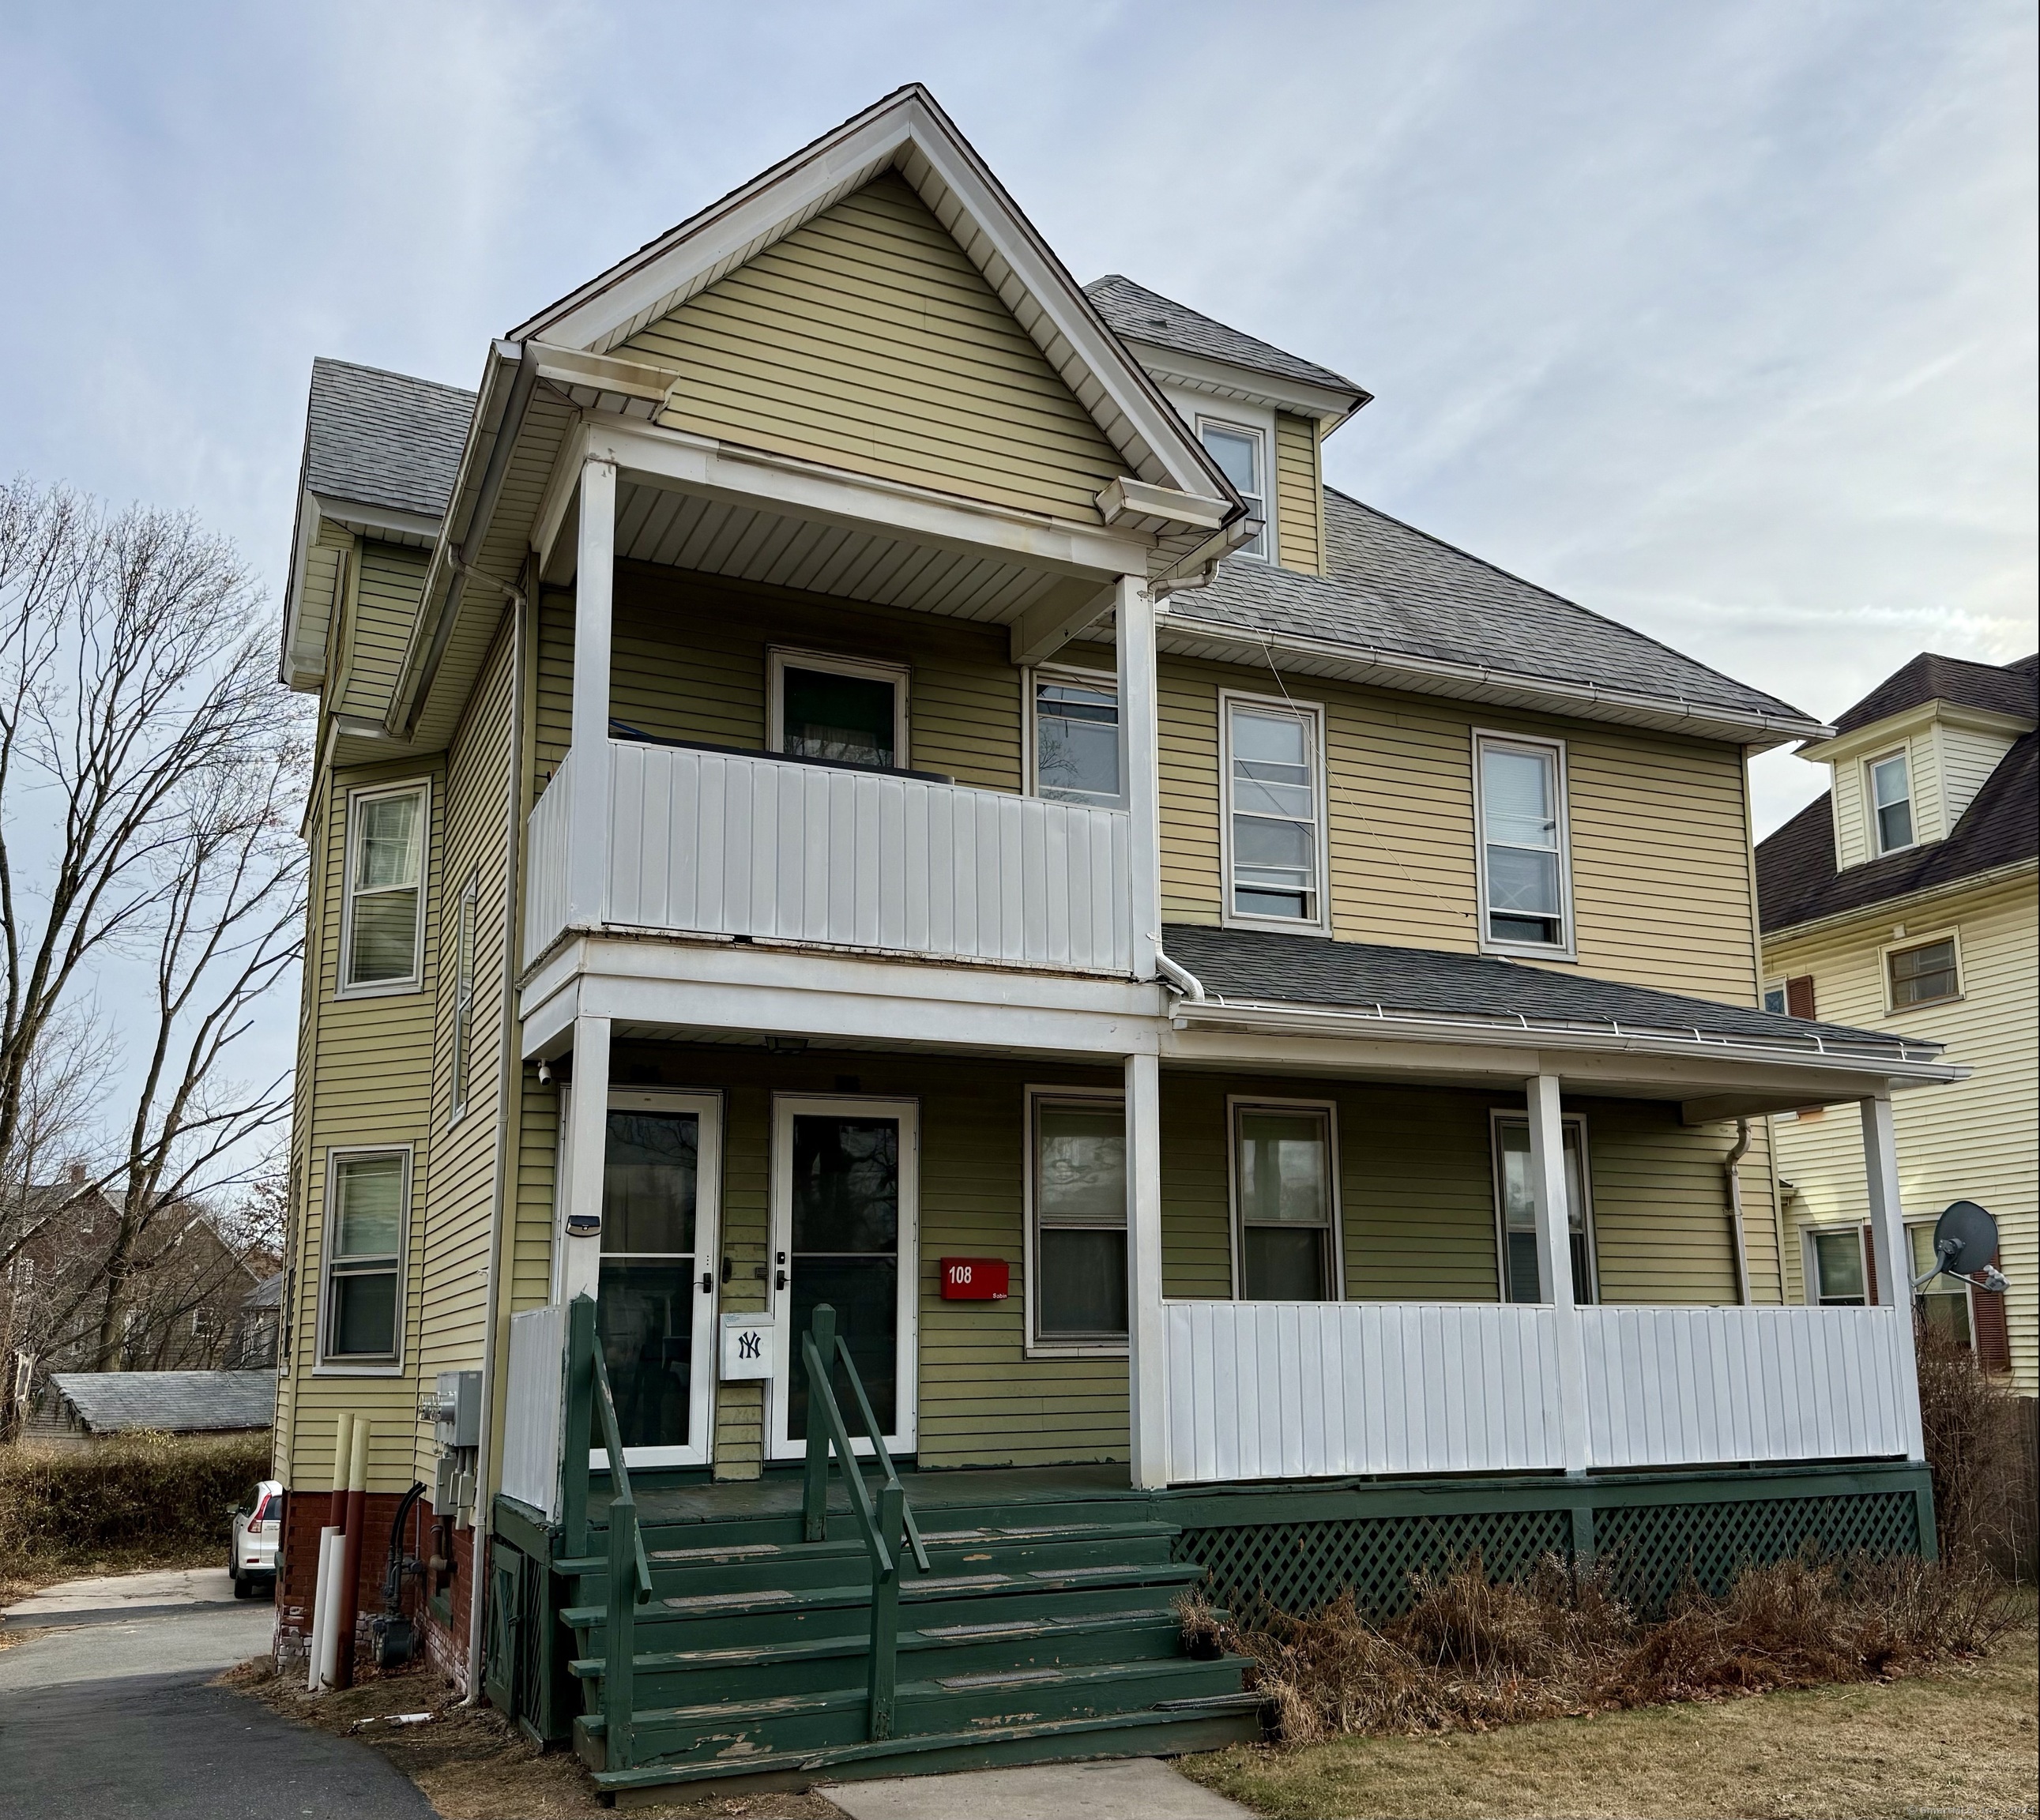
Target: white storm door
<point>656,1297</point>
<point>844,1231</point>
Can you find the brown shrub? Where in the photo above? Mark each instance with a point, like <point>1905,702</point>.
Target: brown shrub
<point>1473,1654</point>
<point>150,1496</point>
<point>1980,1449</point>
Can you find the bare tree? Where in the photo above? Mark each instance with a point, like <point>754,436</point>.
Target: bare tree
<point>147,766</point>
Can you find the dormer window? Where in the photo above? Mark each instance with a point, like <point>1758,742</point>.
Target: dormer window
<point>1891,800</point>
<point>1242,457</point>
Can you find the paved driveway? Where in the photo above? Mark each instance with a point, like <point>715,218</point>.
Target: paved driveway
<point>113,1720</point>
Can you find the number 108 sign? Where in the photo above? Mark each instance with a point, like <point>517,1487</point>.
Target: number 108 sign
<point>974,1279</point>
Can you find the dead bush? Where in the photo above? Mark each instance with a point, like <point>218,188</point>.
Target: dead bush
<point>1472,1654</point>
<point>1980,1449</point>
<point>130,1498</point>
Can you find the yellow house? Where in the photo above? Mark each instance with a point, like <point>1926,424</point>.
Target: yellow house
<point>1904,899</point>
<point>920,933</point>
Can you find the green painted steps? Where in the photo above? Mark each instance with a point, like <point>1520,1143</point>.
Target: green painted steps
<point>721,1532</point>
<point>1167,1731</point>
<point>684,1736</point>
<point>751,1671</point>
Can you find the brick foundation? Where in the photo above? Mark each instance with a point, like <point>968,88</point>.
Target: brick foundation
<point>305,1514</point>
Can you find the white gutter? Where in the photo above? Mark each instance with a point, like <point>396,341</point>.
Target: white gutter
<point>1913,1064</point>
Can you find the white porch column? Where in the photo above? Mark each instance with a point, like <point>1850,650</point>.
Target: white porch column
<point>1133,614</point>
<point>595,577</point>
<point>1554,1260</point>
<point>1894,1261</point>
<point>1147,1362</point>
<point>586,1151</point>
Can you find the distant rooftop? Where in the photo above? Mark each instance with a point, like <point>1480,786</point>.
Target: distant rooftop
<point>380,439</point>
<point>2011,689</point>
<point>173,1402</point>
<point>1136,314</point>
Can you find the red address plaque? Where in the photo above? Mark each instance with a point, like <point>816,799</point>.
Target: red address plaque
<point>974,1279</point>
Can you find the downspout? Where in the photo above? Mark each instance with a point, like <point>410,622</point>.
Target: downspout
<point>1180,977</point>
<point>499,1199</point>
<point>1734,1183</point>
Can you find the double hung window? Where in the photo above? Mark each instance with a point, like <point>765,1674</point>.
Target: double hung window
<point>1076,738</point>
<point>1283,1187</point>
<point>382,915</point>
<point>1079,1183</point>
<point>1520,798</point>
<point>1944,1305</point>
<point>1275,811</point>
<point>1240,455</point>
<point>368,1193</point>
<point>839,709</point>
<point>1517,1212</point>
<point>1836,1274</point>
<point>1891,802</point>
<point>1924,975</point>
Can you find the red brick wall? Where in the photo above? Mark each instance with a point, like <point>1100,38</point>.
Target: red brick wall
<point>305,1514</point>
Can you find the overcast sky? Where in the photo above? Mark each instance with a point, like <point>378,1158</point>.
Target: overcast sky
<point>1718,318</point>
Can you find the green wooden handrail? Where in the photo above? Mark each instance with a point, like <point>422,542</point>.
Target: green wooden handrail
<point>878,1447</point>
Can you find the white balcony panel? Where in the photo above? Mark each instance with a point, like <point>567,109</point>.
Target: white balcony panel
<point>732,844</point>
<point>1291,1390</point>
<point>532,1406</point>
<point>1701,1386</point>
<point>545,865</point>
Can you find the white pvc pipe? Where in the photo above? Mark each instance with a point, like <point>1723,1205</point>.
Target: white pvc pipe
<point>322,1612</point>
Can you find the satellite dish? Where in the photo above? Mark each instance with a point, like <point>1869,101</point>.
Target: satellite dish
<point>1965,1239</point>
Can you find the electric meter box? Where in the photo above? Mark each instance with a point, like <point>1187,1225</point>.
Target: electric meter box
<point>458,1421</point>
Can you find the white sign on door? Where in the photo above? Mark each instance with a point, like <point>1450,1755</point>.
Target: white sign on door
<point>747,1347</point>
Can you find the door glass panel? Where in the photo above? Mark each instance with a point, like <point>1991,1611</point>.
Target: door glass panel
<point>850,718</point>
<point>845,1251</point>
<point>645,1302</point>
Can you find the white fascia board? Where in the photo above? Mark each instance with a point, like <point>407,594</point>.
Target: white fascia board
<point>1221,379</point>
<point>650,456</point>
<point>1860,742</point>
<point>419,529</point>
<point>309,675</point>
<point>1186,635</point>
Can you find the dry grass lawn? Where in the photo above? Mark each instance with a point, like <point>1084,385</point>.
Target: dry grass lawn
<point>1960,1743</point>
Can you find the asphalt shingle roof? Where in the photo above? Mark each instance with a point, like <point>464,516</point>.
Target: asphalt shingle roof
<point>1300,970</point>
<point>1393,589</point>
<point>380,439</point>
<point>175,1402</point>
<point>1136,314</point>
<point>2001,689</point>
<point>1797,880</point>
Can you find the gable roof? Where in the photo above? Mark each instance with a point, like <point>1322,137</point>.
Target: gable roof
<point>2012,689</point>
<point>1257,965</point>
<point>1415,606</point>
<point>175,1402</point>
<point>375,438</point>
<point>1797,881</point>
<point>1139,314</point>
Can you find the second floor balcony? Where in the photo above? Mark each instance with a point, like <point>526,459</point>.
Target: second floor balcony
<point>703,841</point>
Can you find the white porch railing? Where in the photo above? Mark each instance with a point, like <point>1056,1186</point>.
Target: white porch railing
<point>532,1407</point>
<point>1271,1390</point>
<point>1694,1386</point>
<point>734,844</point>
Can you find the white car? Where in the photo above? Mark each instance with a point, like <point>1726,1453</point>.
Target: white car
<point>258,1527</point>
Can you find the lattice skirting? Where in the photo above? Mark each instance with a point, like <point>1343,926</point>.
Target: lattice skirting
<point>1653,1538</point>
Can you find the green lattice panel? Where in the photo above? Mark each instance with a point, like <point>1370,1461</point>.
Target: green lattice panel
<point>1301,1568</point>
<point>1653,1549</point>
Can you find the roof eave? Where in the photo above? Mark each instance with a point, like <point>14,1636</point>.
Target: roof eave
<point>1880,909</point>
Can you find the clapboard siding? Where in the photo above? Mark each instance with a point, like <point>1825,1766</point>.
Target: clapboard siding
<point>866,340</point>
<point>1973,1140</point>
<point>1967,760</point>
<point>1298,495</point>
<point>1659,847</point>
<point>386,582</point>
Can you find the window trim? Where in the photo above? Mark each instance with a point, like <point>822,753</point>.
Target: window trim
<point>1235,1103</point>
<point>344,1365</point>
<point>1904,944</point>
<point>1105,681</point>
<point>779,657</point>
<point>1033,1345</point>
<point>1872,826</point>
<point>1246,422</point>
<point>1809,1269</point>
<point>1568,948</point>
<point>467,922</point>
<point>415,980</point>
<point>1314,712</point>
<point>1497,1116</point>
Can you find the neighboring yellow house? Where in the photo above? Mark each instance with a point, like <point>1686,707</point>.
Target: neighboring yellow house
<point>857,771</point>
<point>1907,899</point>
